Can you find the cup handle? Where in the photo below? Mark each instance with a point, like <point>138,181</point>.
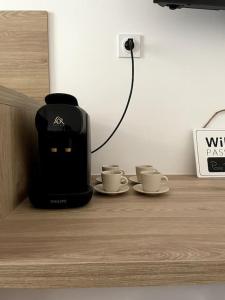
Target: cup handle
<point>124,180</point>
<point>165,178</point>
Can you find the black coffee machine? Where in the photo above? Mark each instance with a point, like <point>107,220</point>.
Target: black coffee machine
<point>61,175</point>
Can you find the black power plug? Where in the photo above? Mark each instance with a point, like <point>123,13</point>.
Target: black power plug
<point>129,44</point>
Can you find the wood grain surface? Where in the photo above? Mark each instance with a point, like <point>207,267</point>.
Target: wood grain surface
<point>129,240</point>
<point>24,52</point>
<point>17,138</point>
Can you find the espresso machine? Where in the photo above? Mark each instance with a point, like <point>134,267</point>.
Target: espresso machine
<point>61,174</point>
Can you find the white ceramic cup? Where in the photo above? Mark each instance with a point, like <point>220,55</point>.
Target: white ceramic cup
<point>113,180</point>
<point>112,168</point>
<point>142,168</point>
<point>151,182</point>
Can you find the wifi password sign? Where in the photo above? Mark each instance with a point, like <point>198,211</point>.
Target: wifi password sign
<point>209,146</point>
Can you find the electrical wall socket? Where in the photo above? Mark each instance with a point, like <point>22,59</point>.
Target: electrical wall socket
<point>121,50</point>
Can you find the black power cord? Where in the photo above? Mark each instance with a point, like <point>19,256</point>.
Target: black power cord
<point>129,45</point>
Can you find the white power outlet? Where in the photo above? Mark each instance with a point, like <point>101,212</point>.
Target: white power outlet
<point>121,50</point>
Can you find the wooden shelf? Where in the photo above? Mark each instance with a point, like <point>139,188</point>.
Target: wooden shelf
<point>129,240</point>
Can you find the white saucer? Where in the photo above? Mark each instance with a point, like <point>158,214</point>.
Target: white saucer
<point>163,189</point>
<point>134,179</point>
<point>98,179</point>
<point>99,188</point>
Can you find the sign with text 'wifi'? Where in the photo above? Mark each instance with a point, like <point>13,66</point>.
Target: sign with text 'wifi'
<point>209,147</point>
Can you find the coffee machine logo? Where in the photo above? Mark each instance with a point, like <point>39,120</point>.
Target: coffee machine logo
<point>58,121</point>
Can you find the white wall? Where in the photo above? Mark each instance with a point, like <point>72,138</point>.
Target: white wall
<point>179,80</point>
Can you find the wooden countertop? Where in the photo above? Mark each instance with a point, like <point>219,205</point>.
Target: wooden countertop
<point>129,240</point>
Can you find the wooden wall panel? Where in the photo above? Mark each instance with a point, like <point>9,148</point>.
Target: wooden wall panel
<point>24,63</point>
<point>17,138</point>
